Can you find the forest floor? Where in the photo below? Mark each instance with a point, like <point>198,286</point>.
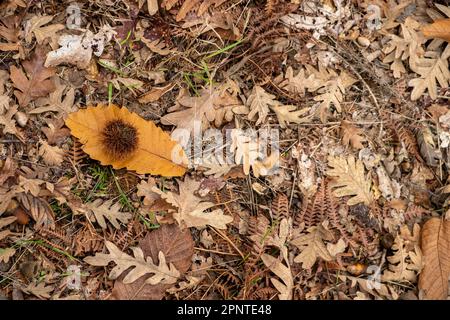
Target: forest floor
<point>224,149</point>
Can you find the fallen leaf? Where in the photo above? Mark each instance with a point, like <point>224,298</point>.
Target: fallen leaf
<point>350,180</point>
<point>36,82</point>
<point>312,247</point>
<point>438,29</point>
<point>433,279</point>
<point>191,209</point>
<point>56,103</point>
<point>287,114</point>
<point>101,210</point>
<point>118,137</point>
<point>52,155</point>
<point>40,290</point>
<point>161,273</point>
<point>178,248</point>
<point>155,93</point>
<point>283,272</point>
<point>212,105</point>
<point>352,135</point>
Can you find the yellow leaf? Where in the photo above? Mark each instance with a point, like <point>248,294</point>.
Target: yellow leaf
<point>118,137</point>
<point>439,29</point>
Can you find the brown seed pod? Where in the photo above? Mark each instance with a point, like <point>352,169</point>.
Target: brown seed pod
<point>120,139</point>
<point>22,217</point>
<point>356,269</point>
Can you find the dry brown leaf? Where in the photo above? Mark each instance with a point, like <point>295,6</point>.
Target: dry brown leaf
<point>118,137</point>
<point>403,264</point>
<point>36,82</point>
<point>287,114</point>
<point>438,29</point>
<point>155,93</point>
<point>52,155</point>
<point>101,210</point>
<point>55,132</point>
<point>213,105</point>
<point>6,254</point>
<point>9,125</point>
<point>10,30</point>
<point>40,290</point>
<point>332,91</point>
<point>144,189</point>
<point>352,135</point>
<point>39,209</point>
<point>36,26</point>
<point>350,180</point>
<point>311,246</point>
<point>433,279</point>
<point>191,209</point>
<point>162,273</point>
<point>178,248</point>
<point>56,103</point>
<point>283,272</point>
<point>258,103</point>
<point>433,69</point>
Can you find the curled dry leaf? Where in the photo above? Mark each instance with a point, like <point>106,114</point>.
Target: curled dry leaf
<point>436,254</point>
<point>118,137</point>
<point>78,49</point>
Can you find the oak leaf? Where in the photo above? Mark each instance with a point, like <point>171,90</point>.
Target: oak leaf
<point>161,273</point>
<point>40,290</point>
<point>350,180</point>
<point>56,103</point>
<point>52,155</point>
<point>312,247</point>
<point>36,82</point>
<point>258,103</point>
<point>435,244</point>
<point>403,264</point>
<point>352,135</point>
<point>191,209</point>
<point>433,69</point>
<point>212,105</point>
<point>178,248</point>
<point>287,114</point>
<point>118,137</point>
<point>283,272</point>
<point>100,210</point>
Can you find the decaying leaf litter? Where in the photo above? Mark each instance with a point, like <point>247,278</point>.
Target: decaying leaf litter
<point>93,205</point>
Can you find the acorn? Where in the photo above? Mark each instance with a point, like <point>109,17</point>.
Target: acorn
<point>21,215</point>
<point>387,240</point>
<point>357,269</point>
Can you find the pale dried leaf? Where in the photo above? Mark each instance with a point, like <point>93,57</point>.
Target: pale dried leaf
<point>312,247</point>
<point>283,272</point>
<point>162,273</point>
<point>101,210</point>
<point>350,180</point>
<point>191,209</point>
